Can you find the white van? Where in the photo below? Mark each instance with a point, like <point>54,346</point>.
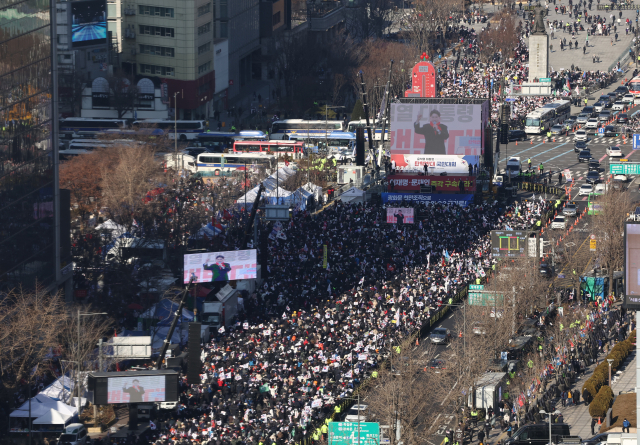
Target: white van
<point>621,439</point>
<point>74,434</point>
<point>514,166</point>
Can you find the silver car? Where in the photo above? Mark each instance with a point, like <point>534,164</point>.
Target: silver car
<point>583,118</point>
<point>440,336</point>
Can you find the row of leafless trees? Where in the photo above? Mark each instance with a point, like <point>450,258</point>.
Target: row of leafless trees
<point>40,337</point>
<point>416,396</point>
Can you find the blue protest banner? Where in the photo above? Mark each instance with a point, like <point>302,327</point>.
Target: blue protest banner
<point>459,199</point>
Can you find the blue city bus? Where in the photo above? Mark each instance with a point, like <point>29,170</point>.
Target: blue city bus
<point>217,164</point>
<point>84,127</point>
<point>251,135</point>
<point>304,129</point>
<point>216,141</point>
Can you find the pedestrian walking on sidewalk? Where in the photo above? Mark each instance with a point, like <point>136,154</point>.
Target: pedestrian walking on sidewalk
<point>625,425</point>
<point>569,398</point>
<point>563,398</point>
<point>593,425</point>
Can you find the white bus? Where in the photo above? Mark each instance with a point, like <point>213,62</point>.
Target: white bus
<point>546,116</point>
<point>75,127</point>
<point>186,130</point>
<point>300,129</point>
<point>217,164</point>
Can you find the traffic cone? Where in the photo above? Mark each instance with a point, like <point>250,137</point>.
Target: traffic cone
<point>554,140</point>
<point>516,143</point>
<point>599,420</point>
<point>531,141</point>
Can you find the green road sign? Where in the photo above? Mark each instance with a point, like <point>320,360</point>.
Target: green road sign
<point>485,298</point>
<point>626,168</point>
<point>545,79</point>
<point>346,433</point>
<point>476,286</point>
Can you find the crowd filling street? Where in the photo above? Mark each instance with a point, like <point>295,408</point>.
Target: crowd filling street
<point>309,335</point>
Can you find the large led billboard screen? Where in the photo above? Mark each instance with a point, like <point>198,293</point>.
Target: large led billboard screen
<point>436,129</point>
<point>632,265</point>
<point>133,386</point>
<point>88,23</point>
<point>220,266</point>
<point>136,389</point>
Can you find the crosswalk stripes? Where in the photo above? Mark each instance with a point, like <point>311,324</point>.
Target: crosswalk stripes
<point>566,139</point>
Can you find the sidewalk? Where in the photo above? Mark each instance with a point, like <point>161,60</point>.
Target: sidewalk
<point>577,416</point>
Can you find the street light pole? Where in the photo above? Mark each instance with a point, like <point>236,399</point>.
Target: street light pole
<point>610,361</point>
<point>79,361</point>
<point>175,127</point>
<point>326,122</point>
<point>556,412</point>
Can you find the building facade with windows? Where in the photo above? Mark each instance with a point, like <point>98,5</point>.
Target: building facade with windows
<point>34,241</point>
<point>169,42</point>
<point>239,22</point>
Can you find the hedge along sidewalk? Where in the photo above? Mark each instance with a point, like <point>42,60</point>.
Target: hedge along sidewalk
<point>598,382</point>
<point>578,416</point>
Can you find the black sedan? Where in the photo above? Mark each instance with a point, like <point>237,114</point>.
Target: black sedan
<point>595,440</point>
<point>623,118</point>
<point>584,156</point>
<point>594,165</point>
<point>517,135</point>
<point>579,146</point>
<point>610,131</point>
<point>546,269</point>
<point>593,177</point>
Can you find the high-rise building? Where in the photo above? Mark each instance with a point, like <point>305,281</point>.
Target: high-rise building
<point>239,22</point>
<point>171,43</point>
<point>30,228</point>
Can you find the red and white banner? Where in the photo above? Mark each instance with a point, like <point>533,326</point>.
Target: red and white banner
<point>401,183</point>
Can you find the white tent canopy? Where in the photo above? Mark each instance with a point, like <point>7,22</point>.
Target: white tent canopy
<point>115,229</point>
<point>40,405</point>
<point>354,195</point>
<point>60,389</point>
<point>53,417</point>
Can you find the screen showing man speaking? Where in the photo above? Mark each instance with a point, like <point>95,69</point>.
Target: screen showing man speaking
<point>136,389</point>
<point>220,266</point>
<point>400,215</point>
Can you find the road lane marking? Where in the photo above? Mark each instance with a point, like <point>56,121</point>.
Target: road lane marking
<point>562,154</point>
<point>516,154</point>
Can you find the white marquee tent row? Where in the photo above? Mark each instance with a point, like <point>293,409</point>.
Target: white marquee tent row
<point>47,413</point>
<point>275,194</point>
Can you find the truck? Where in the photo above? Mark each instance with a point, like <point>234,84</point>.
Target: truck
<point>490,388</point>
<point>220,312</point>
<point>514,166</point>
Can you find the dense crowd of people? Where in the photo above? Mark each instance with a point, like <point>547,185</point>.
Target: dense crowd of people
<point>311,334</point>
